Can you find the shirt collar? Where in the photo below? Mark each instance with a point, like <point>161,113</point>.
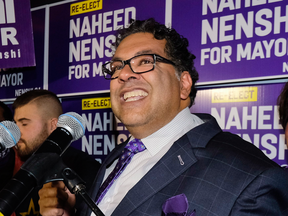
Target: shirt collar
<point>183,122</point>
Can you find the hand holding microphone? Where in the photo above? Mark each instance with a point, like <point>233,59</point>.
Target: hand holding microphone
<point>56,199</point>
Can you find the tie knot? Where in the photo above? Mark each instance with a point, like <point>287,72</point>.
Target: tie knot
<point>135,146</point>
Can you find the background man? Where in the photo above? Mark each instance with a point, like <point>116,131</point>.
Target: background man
<point>283,109</point>
<point>36,114</point>
<point>188,163</point>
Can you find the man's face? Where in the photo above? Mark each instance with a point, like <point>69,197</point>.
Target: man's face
<point>145,102</point>
<point>34,129</point>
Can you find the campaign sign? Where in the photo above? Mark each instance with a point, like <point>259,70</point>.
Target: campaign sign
<point>80,38</point>
<point>235,40</point>
<point>251,112</point>
<point>16,36</point>
<point>102,130</point>
<point>16,81</point>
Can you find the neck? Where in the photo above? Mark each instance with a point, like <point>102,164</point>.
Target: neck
<point>143,131</point>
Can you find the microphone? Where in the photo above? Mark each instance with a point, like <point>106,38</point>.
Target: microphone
<point>69,128</point>
<point>9,136</point>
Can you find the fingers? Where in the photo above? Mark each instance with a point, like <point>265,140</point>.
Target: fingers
<point>52,212</point>
<point>55,199</point>
<point>53,194</point>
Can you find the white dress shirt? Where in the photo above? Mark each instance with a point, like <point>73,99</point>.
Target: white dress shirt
<point>157,144</point>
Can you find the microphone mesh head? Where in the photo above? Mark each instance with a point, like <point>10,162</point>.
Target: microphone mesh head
<point>9,134</point>
<point>72,122</point>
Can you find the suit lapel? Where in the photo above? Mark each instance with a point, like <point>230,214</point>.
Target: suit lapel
<point>177,160</point>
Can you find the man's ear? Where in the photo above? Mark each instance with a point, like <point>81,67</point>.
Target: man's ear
<point>185,85</point>
<point>53,124</point>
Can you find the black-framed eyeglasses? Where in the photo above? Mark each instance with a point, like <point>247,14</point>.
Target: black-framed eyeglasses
<point>138,64</point>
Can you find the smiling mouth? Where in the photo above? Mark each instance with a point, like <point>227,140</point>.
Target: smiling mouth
<point>134,95</point>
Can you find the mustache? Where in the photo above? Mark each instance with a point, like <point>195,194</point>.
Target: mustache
<point>22,141</point>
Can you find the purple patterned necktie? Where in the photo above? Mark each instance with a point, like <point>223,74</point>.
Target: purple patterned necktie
<point>132,148</point>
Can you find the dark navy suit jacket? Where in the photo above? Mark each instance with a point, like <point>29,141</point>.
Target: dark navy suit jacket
<point>222,175</point>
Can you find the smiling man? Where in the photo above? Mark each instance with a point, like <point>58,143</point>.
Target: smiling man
<point>175,162</point>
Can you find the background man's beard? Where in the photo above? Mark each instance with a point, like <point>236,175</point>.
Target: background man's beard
<point>24,152</point>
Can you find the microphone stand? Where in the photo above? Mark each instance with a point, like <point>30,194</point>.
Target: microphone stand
<point>73,182</point>
<point>75,185</point>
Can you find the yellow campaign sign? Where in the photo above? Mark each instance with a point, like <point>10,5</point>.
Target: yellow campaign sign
<point>96,103</point>
<point>237,94</point>
<point>85,7</point>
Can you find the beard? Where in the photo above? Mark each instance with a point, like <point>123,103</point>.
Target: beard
<point>27,148</point>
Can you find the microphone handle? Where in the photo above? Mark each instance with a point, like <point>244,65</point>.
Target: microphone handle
<point>57,142</point>
<point>16,190</point>
<point>25,180</point>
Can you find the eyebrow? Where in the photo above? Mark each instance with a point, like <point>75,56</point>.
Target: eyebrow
<point>137,53</point>
<point>23,119</point>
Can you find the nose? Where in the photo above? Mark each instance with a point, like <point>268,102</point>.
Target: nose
<point>127,74</point>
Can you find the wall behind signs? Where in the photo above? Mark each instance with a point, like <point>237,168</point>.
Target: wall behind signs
<point>235,42</point>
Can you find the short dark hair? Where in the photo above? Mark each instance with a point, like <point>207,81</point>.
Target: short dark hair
<point>7,113</point>
<point>176,46</point>
<point>283,105</point>
<point>38,95</point>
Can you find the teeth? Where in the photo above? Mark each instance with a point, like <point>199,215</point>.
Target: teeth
<point>134,95</point>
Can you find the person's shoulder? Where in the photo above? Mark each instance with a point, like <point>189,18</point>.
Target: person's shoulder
<point>244,158</point>
<point>231,145</point>
<point>245,152</point>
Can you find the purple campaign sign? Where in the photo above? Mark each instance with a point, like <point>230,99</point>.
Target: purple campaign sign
<point>251,112</point>
<point>235,40</point>
<point>16,36</point>
<point>15,82</point>
<point>232,40</point>
<point>79,44</point>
